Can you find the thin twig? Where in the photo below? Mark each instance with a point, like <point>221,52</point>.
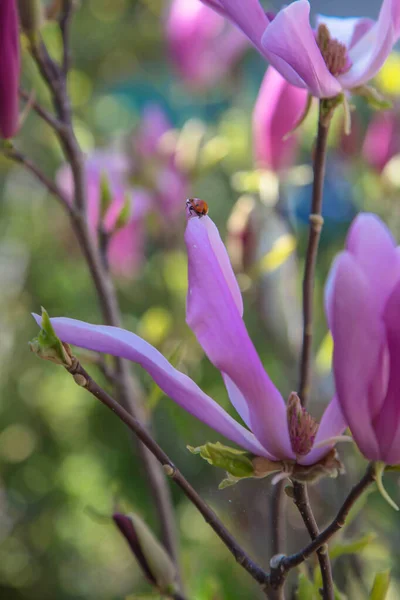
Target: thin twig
<point>40,110</point>
<point>316,222</point>
<point>302,502</point>
<point>338,522</point>
<point>55,78</point>
<point>83,379</point>
<point>65,23</point>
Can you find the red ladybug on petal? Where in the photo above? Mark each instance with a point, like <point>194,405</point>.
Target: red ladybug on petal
<point>197,207</point>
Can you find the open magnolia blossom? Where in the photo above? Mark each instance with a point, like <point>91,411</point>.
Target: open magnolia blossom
<point>362,305</point>
<point>283,437</point>
<point>338,55</point>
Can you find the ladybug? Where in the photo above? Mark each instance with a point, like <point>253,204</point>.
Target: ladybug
<point>197,207</point>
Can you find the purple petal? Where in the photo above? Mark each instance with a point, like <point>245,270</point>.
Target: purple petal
<point>388,422</point>
<point>370,52</point>
<point>358,335</point>
<point>329,290</point>
<point>237,399</point>
<point>213,315</point>
<point>381,140</point>
<point>333,423</point>
<point>347,31</point>
<point>278,108</point>
<point>176,385</point>
<point>9,68</point>
<point>248,16</point>
<point>371,244</point>
<point>291,48</point>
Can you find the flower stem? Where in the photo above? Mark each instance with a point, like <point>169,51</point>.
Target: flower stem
<point>278,518</point>
<point>316,223</point>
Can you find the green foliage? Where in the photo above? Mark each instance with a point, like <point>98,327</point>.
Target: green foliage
<point>380,586</point>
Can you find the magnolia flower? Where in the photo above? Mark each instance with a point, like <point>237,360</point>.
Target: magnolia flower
<point>122,220</point>
<point>274,431</point>
<point>277,110</point>
<point>382,140</point>
<point>339,55</point>
<point>201,44</point>
<point>9,68</point>
<point>362,306</point>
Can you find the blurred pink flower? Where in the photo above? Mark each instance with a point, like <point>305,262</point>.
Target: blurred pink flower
<point>125,250</point>
<point>339,55</point>
<point>9,68</point>
<point>363,311</point>
<point>382,140</point>
<point>202,45</point>
<point>214,313</point>
<point>278,108</point>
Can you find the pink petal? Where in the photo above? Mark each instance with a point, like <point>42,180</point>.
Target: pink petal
<point>358,335</point>
<point>126,249</point>
<point>278,108</point>
<point>176,385</point>
<point>347,31</point>
<point>370,52</point>
<point>333,423</point>
<point>372,246</point>
<point>237,399</point>
<point>388,422</point>
<point>9,68</point>
<point>290,45</point>
<point>213,315</point>
<point>248,16</point>
<point>381,140</point>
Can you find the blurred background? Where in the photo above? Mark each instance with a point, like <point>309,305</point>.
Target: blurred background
<point>163,101</point>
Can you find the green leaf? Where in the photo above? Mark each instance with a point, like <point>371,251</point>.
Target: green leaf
<point>380,586</point>
<point>379,471</point>
<point>305,589</point>
<point>47,345</point>
<point>351,547</point>
<point>105,194</point>
<point>235,462</point>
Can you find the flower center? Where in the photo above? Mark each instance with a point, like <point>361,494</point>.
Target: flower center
<point>333,52</point>
<point>302,426</point>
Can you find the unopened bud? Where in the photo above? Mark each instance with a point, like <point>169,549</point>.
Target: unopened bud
<point>106,196</point>
<point>125,214</point>
<point>48,346</point>
<point>153,559</point>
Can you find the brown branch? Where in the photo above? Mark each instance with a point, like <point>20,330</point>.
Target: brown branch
<point>65,24</point>
<point>40,110</point>
<point>300,496</point>
<point>278,518</point>
<point>55,78</point>
<point>83,379</point>
<point>316,223</point>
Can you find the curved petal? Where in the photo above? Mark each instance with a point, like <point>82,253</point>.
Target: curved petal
<point>358,335</point>
<point>332,424</point>
<point>215,319</point>
<point>329,290</point>
<point>278,108</point>
<point>370,52</point>
<point>176,385</point>
<point>347,31</point>
<point>388,422</point>
<point>248,16</point>
<point>237,399</point>
<point>381,139</point>
<point>371,244</point>
<point>291,48</point>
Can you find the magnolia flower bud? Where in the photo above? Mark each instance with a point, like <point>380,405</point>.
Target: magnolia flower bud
<point>302,426</point>
<point>153,559</point>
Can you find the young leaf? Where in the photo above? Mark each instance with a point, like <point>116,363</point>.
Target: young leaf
<point>380,586</point>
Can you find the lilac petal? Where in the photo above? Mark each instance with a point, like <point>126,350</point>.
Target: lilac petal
<point>371,244</point>
<point>213,315</point>
<point>278,109</point>
<point>381,139</point>
<point>329,290</point>
<point>370,52</point>
<point>291,48</point>
<point>9,68</point>
<point>347,31</point>
<point>333,424</point>
<point>237,399</point>
<point>388,422</point>
<point>358,335</point>
<point>176,385</point>
<point>248,16</point>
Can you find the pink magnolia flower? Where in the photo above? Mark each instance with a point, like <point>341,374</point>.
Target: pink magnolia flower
<point>201,44</point>
<point>341,54</point>
<point>214,313</point>
<point>362,306</point>
<point>125,249</point>
<point>278,108</point>
<point>9,68</point>
<point>382,140</point>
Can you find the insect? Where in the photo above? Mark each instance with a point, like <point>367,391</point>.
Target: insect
<point>197,207</point>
